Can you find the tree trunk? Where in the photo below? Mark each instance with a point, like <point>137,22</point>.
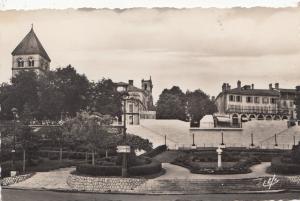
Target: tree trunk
<point>60,154</point>
<point>93,158</point>
<point>24,160</point>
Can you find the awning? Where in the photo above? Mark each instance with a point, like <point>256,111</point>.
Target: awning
<point>223,119</point>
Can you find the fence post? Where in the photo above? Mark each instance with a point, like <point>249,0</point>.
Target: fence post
<point>24,160</point>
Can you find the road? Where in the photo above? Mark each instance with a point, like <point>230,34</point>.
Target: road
<point>28,195</point>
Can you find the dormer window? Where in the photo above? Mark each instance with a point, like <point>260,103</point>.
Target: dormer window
<point>30,62</point>
<point>20,62</point>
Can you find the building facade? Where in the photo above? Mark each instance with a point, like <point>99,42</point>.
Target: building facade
<point>30,55</point>
<point>247,103</point>
<point>139,104</point>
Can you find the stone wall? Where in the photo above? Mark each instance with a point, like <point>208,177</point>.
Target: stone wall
<point>15,179</point>
<point>103,184</point>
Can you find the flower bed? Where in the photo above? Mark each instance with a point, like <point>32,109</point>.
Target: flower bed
<point>196,166</point>
<point>103,184</point>
<point>15,179</point>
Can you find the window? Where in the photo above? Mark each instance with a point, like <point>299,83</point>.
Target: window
<point>273,100</point>
<point>256,99</point>
<point>231,98</point>
<point>238,98</point>
<point>284,104</point>
<point>131,108</point>
<point>30,61</point>
<point>249,99</point>
<point>265,100</point>
<point>291,104</point>
<point>20,62</point>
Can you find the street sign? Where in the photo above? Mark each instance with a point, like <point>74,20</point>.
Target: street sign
<point>123,149</point>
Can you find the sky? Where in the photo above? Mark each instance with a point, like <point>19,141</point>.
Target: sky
<point>191,48</point>
<point>61,4</point>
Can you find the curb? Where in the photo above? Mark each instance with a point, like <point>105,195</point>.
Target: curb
<point>147,193</point>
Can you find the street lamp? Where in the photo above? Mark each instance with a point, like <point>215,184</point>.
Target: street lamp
<point>124,149</point>
<point>15,115</point>
<point>222,145</point>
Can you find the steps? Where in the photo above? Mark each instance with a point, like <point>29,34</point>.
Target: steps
<point>210,186</point>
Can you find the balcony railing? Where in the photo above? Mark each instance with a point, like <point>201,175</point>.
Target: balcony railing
<point>256,111</point>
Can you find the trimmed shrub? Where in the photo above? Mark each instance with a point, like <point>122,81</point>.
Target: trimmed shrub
<point>278,166</point>
<point>156,151</point>
<point>96,170</point>
<point>152,168</point>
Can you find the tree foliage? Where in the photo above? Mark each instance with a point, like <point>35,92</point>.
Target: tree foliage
<point>174,104</point>
<point>199,105</point>
<point>103,98</point>
<point>171,104</point>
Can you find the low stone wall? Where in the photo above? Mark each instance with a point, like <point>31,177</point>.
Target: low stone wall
<point>15,179</point>
<point>103,184</point>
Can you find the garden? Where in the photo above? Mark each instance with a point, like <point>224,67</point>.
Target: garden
<point>233,161</point>
<point>86,141</point>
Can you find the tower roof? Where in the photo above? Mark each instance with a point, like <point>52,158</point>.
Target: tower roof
<point>31,45</point>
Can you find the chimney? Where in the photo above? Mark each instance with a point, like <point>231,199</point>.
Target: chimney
<point>130,82</point>
<point>277,85</point>
<point>228,86</point>
<point>224,87</point>
<point>213,98</point>
<point>270,86</point>
<point>252,86</point>
<point>239,84</point>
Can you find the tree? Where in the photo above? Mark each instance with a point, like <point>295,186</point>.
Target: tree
<point>90,130</point>
<point>199,105</point>
<point>104,98</point>
<point>74,88</point>
<point>172,104</point>
<point>23,91</point>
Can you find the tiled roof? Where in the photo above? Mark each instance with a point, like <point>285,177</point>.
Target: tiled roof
<point>31,45</point>
<point>288,90</point>
<point>254,92</point>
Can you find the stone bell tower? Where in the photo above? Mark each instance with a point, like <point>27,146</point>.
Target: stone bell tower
<point>30,55</point>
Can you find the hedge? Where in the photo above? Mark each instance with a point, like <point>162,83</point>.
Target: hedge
<point>96,170</point>
<point>147,169</point>
<point>103,170</point>
<point>278,166</point>
<point>156,151</point>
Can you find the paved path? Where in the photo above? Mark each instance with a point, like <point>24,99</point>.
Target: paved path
<point>56,179</point>
<point>178,172</point>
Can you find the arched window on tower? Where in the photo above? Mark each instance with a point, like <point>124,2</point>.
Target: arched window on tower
<point>30,62</point>
<point>20,62</point>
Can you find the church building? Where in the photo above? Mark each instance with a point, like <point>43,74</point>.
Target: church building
<point>30,55</point>
<point>139,104</point>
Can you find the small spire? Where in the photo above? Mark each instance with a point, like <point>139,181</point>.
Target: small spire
<point>31,25</point>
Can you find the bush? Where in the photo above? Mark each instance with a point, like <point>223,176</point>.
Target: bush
<point>279,166</point>
<point>152,168</point>
<point>96,170</point>
<point>156,151</point>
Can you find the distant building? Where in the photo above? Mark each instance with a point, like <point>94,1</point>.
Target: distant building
<point>246,103</point>
<point>30,55</point>
<point>139,104</point>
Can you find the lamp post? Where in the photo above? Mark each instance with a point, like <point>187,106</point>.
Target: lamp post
<point>124,149</point>
<point>275,138</point>
<point>222,145</point>
<point>252,144</point>
<point>15,114</point>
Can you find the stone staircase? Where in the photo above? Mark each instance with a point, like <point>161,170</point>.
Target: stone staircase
<point>179,186</point>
